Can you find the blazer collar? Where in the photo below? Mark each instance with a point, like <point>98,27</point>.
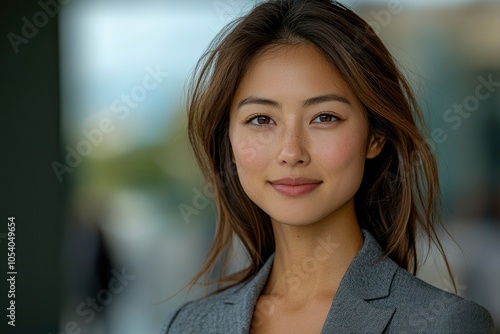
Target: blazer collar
<point>244,298</point>
<point>368,277</point>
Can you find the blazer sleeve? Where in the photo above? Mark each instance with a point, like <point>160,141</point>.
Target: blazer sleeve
<point>466,316</point>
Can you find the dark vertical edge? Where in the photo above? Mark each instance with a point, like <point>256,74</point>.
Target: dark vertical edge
<point>29,190</point>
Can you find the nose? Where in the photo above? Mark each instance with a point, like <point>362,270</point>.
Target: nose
<point>293,150</point>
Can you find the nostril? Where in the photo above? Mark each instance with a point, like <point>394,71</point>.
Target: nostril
<point>288,161</point>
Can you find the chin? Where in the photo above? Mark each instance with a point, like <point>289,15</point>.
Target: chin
<point>292,219</point>
<point>311,213</point>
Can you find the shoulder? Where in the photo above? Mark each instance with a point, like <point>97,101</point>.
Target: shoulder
<point>227,311</point>
<point>423,308</point>
<point>198,316</point>
<point>417,306</point>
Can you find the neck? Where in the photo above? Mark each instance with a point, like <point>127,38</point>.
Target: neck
<point>311,259</point>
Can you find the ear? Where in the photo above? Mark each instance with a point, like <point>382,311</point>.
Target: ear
<point>375,146</point>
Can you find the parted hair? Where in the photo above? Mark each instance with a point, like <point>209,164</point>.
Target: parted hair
<point>399,196</point>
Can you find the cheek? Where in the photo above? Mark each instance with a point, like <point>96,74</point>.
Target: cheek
<point>250,154</point>
<point>344,155</point>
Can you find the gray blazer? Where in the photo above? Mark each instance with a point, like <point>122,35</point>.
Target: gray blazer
<point>374,296</point>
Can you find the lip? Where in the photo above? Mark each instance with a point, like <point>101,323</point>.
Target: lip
<point>295,186</point>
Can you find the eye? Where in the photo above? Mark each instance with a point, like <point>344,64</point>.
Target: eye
<point>325,118</point>
<point>260,120</point>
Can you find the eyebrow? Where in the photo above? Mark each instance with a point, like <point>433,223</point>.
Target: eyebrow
<point>307,103</point>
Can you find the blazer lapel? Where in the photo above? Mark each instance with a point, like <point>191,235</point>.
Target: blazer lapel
<point>352,314</point>
<point>368,278</point>
<point>244,299</point>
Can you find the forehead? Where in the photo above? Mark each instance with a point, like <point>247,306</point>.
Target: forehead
<point>295,70</point>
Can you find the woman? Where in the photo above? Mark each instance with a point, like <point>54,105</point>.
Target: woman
<point>308,133</point>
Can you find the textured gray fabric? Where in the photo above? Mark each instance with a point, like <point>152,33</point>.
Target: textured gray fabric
<point>374,296</point>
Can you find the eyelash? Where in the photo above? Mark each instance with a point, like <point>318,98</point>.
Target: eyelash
<point>336,117</point>
<point>255,116</point>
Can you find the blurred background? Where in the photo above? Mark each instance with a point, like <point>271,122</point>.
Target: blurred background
<point>136,217</point>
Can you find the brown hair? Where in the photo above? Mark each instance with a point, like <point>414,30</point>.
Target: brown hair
<point>399,194</point>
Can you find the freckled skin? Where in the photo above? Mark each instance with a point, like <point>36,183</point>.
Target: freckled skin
<point>295,142</point>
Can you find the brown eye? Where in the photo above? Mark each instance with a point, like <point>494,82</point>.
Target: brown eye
<point>261,120</point>
<point>325,118</point>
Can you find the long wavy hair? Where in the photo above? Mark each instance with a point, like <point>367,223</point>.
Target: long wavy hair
<point>399,196</point>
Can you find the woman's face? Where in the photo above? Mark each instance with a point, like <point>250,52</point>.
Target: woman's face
<point>299,137</point>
